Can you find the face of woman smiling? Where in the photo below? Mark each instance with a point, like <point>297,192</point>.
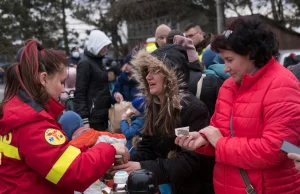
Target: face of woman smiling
<point>156,83</point>
<point>237,65</point>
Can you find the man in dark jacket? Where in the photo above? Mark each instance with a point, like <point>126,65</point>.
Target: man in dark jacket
<point>92,95</point>
<point>125,87</point>
<point>200,39</point>
<point>290,60</point>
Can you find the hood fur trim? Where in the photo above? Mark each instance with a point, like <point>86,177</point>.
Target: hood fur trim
<point>175,85</point>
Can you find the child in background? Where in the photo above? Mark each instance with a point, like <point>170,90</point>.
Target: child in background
<point>137,120</point>
<point>72,125</point>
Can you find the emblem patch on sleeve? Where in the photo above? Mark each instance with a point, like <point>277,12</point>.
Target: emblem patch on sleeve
<point>54,137</point>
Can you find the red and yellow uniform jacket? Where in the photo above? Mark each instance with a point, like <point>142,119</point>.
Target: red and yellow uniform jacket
<point>36,156</point>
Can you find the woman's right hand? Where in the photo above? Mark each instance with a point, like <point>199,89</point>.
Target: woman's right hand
<point>121,149</point>
<point>191,142</point>
<point>86,126</point>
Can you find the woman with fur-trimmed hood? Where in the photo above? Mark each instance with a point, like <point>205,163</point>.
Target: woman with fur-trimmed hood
<point>163,77</point>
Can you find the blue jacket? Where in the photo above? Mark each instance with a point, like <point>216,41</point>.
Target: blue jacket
<point>132,130</point>
<point>217,70</point>
<point>128,88</point>
<point>73,61</point>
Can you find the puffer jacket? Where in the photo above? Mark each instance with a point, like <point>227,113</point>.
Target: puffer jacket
<point>265,110</point>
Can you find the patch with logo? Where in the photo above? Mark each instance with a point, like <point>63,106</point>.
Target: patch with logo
<point>54,137</point>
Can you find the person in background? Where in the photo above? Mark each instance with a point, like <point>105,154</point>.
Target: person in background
<point>92,95</point>
<point>171,35</point>
<point>137,121</point>
<point>290,60</point>
<point>200,39</point>
<point>211,84</point>
<point>295,69</point>
<point>258,108</point>
<point>73,127</point>
<point>18,55</point>
<point>163,76</point>
<point>126,86</point>
<point>30,134</point>
<point>69,85</point>
<point>74,58</point>
<point>214,64</point>
<point>161,34</point>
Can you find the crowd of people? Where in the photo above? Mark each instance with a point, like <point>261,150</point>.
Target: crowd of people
<point>238,103</point>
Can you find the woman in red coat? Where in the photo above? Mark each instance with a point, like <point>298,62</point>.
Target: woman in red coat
<point>35,155</point>
<point>257,108</point>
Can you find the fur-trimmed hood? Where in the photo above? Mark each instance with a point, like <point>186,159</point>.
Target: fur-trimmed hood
<point>172,61</point>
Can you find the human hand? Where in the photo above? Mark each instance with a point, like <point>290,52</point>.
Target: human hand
<point>121,149</point>
<point>296,158</point>
<point>191,142</point>
<point>119,98</point>
<point>111,76</point>
<point>212,134</point>
<point>128,167</point>
<point>124,116</point>
<point>86,126</point>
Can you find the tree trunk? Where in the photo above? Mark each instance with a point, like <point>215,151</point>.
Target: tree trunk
<point>280,11</point>
<point>274,11</point>
<point>64,26</point>
<point>250,6</point>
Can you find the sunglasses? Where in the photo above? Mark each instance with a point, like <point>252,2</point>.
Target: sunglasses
<point>227,33</point>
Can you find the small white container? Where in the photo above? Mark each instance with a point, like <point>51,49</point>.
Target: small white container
<point>121,177</point>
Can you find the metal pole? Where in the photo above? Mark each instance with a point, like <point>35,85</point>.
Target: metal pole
<point>220,15</point>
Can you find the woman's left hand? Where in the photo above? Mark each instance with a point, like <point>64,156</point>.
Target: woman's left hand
<point>128,167</point>
<point>212,134</point>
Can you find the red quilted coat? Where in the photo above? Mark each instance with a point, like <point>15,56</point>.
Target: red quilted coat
<point>265,110</point>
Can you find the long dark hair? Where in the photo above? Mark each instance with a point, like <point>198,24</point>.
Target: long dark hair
<point>25,74</point>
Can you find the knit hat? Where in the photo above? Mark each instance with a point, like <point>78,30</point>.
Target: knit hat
<point>70,122</point>
<point>208,57</point>
<point>128,58</point>
<point>188,45</point>
<point>139,104</point>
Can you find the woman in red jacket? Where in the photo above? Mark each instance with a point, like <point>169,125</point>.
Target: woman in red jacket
<point>257,108</point>
<point>35,156</point>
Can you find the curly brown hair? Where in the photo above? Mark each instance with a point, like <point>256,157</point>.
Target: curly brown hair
<point>248,35</point>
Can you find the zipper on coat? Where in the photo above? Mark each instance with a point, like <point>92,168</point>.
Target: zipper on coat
<point>93,105</point>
